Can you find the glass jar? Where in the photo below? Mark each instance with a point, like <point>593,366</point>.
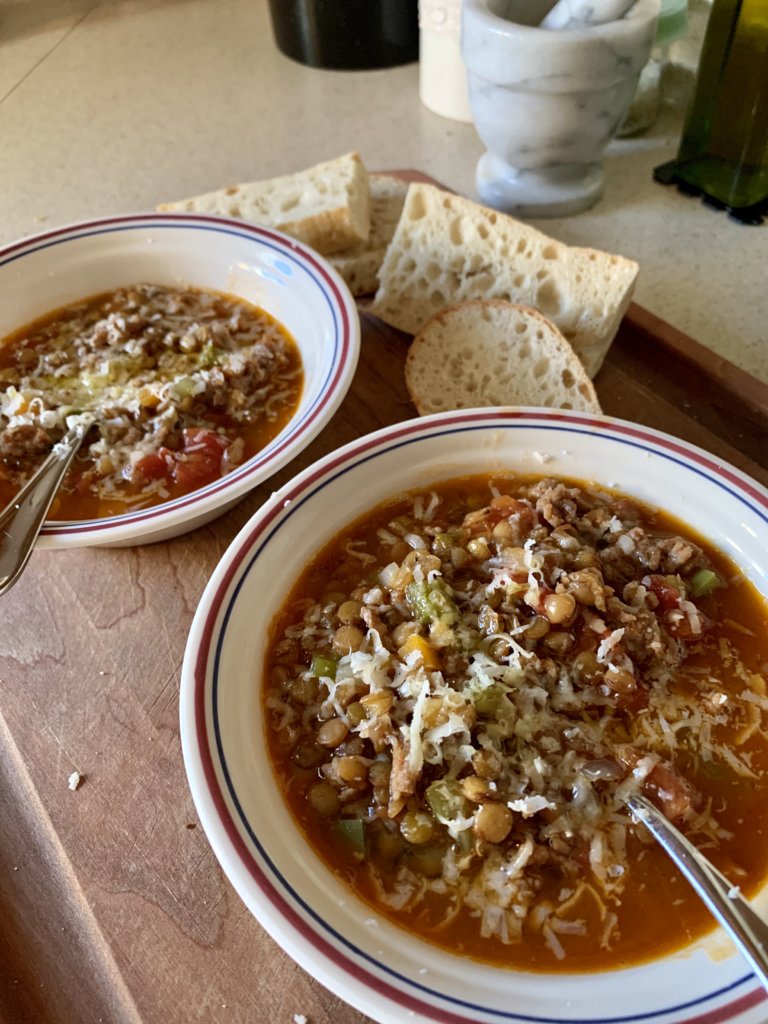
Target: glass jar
<point>646,105</point>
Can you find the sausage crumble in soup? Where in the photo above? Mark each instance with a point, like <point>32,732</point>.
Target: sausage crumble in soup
<point>183,384</point>
<point>466,683</point>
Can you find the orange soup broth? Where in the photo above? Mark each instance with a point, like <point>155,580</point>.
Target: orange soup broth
<point>74,501</point>
<point>659,912</point>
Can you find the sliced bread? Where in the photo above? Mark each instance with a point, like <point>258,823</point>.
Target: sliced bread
<point>359,266</point>
<point>447,249</point>
<point>327,206</point>
<point>491,352</point>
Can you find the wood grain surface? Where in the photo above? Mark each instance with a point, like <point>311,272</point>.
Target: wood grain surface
<point>113,906</point>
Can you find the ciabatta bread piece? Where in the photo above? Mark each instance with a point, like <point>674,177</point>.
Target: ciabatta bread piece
<point>447,249</point>
<point>359,266</point>
<point>327,206</point>
<point>491,352</point>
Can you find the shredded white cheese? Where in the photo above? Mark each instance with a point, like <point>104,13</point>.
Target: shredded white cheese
<point>530,805</point>
<point>607,645</point>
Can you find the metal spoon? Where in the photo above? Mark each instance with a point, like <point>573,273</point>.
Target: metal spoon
<point>748,931</point>
<point>21,521</point>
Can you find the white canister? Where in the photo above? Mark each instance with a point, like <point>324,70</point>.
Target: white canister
<point>442,75</point>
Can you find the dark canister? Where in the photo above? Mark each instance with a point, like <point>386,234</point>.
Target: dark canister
<point>347,34</point>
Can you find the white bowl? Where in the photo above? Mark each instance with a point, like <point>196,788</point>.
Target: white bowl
<point>287,279</point>
<point>376,966</point>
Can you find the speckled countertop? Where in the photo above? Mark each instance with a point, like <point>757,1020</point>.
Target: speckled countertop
<point>113,106</point>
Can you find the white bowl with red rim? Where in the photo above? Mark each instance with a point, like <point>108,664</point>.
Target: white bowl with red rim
<point>379,968</point>
<point>287,279</point>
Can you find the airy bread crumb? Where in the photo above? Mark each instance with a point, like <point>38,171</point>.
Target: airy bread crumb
<point>359,266</point>
<point>489,352</point>
<point>447,249</point>
<point>326,206</point>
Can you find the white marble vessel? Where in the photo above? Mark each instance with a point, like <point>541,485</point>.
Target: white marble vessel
<point>545,103</point>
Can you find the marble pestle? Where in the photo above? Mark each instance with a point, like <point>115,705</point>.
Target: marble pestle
<point>546,103</point>
<point>567,14</point>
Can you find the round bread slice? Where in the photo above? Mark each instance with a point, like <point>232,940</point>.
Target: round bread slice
<point>491,352</point>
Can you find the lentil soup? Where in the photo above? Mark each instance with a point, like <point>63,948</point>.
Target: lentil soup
<point>465,684</point>
<point>183,385</point>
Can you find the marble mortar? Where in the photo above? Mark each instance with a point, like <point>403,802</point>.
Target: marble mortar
<point>546,103</point>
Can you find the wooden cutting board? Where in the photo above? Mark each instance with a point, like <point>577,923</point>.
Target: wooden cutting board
<point>113,906</point>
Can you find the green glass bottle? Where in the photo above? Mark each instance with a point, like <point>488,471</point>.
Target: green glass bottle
<point>724,148</point>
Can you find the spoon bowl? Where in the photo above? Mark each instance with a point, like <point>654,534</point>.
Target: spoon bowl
<point>22,519</point>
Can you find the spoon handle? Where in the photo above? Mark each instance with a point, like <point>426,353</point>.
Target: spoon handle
<point>22,519</point>
<point>749,932</point>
